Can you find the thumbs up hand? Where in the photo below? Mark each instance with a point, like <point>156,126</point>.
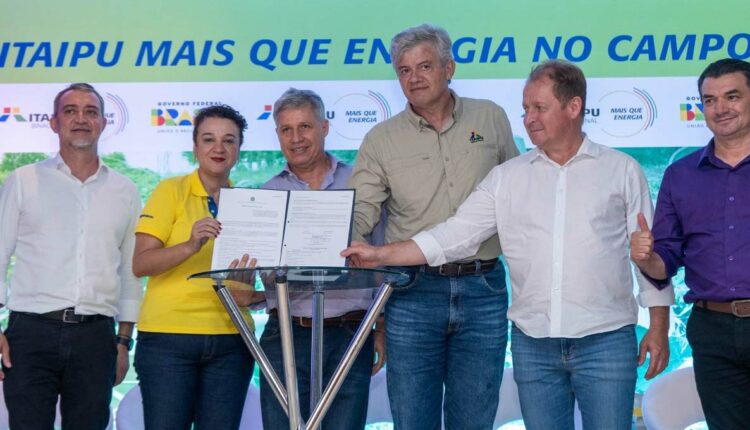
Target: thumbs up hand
<point>641,242</point>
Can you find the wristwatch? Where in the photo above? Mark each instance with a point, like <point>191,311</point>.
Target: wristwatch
<point>124,340</point>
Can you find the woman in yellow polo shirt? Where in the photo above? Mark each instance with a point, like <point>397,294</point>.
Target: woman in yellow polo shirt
<point>192,365</point>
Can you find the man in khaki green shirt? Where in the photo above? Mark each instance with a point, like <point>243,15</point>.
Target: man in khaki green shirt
<point>447,331</point>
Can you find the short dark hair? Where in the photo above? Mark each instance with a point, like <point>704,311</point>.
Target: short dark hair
<point>724,67</point>
<point>220,111</point>
<point>79,86</point>
<point>568,80</point>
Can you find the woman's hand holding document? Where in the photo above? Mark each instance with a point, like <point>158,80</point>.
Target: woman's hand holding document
<point>242,288</point>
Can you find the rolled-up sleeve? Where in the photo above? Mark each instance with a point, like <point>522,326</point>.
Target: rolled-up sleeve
<point>430,247</point>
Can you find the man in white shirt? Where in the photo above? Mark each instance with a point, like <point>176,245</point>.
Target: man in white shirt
<point>564,213</point>
<point>69,221</point>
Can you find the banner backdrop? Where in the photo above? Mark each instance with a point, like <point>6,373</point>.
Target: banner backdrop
<point>159,62</point>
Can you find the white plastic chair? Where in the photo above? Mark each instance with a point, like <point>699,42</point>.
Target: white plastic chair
<point>251,415</point>
<point>130,410</point>
<point>509,407</point>
<point>379,406</point>
<point>671,402</point>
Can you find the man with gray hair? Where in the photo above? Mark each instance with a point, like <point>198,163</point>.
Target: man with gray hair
<point>447,331</point>
<point>301,127</point>
<point>70,223</point>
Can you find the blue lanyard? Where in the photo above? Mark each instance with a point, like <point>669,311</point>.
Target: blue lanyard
<point>213,207</point>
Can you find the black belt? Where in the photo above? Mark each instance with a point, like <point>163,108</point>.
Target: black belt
<point>339,321</point>
<point>475,267</point>
<point>67,316</point>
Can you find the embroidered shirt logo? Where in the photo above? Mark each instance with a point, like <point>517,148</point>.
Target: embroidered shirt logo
<point>476,137</point>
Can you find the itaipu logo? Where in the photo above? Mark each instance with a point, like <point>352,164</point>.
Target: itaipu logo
<point>15,114</point>
<point>624,113</point>
<point>354,114</point>
<point>267,110</point>
<point>12,112</point>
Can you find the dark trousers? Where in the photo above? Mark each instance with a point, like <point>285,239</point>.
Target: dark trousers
<point>75,361</point>
<point>721,360</point>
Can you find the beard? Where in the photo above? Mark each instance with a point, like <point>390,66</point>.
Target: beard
<point>82,143</point>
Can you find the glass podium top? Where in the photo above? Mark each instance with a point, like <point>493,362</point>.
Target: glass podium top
<point>303,278</point>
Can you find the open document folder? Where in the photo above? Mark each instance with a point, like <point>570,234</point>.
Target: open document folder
<point>283,228</point>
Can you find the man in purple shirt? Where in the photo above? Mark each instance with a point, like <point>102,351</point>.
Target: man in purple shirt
<point>702,222</point>
<point>301,128</point>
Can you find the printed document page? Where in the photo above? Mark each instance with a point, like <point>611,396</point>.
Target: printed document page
<point>252,222</point>
<point>318,227</point>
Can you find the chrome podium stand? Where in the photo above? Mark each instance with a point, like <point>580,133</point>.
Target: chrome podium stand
<point>316,280</point>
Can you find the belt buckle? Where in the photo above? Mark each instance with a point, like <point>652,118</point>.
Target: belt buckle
<point>302,323</point>
<point>744,311</point>
<point>69,316</point>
